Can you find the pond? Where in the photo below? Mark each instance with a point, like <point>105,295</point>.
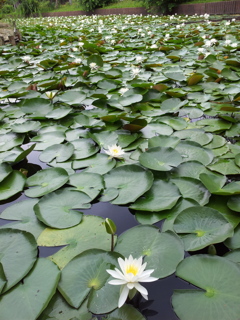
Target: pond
<point>119,139</point>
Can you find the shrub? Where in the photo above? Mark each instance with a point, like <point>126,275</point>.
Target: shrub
<point>7,8</point>
<point>90,5</point>
<point>29,7</point>
<point>161,6</point>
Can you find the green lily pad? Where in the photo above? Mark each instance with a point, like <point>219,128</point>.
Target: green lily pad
<point>219,299</point>
<point>72,97</point>
<point>20,247</point>
<point>126,312</point>
<point>192,151</point>
<point>10,140</point>
<point>48,139</point>
<point>163,141</point>
<point>233,255</point>
<point>160,159</point>
<point>59,309</point>
<point>88,234</point>
<point>190,169</point>
<point>234,203</point>
<point>99,163</point>
<point>162,195</point>
<point>201,226</point>
<point>11,185</point>
<point>37,108</point>
<point>84,148</point>
<point>56,209</point>
<point>196,135</point>
<point>233,242</point>
<point>162,250</point>
<point>172,105</point>
<point>86,274</point>
<point>225,166</point>
<point>23,217</point>
<point>192,189</point>
<point>87,182</point>
<point>3,279</point>
<point>60,152</point>
<point>28,299</point>
<point>45,181</point>
<point>26,126</point>
<point>131,180</point>
<point>5,170</point>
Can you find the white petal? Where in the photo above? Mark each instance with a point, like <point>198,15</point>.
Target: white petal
<point>130,285</point>
<point>121,264</point>
<point>115,274</point>
<point>149,279</point>
<point>146,273</point>
<point>140,288</point>
<point>145,296</point>
<point>123,296</point>
<point>117,282</point>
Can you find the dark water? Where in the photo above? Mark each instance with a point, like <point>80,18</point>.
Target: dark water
<point>158,307</point>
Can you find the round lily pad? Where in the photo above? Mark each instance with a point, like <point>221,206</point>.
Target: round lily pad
<point>85,274</point>
<point>87,182</point>
<point>60,152</point>
<point>201,226</point>
<point>99,163</point>
<point>219,280</point>
<point>162,250</point>
<point>90,233</point>
<point>45,181</point>
<point>12,184</point>
<point>56,209</point>
<point>160,158</point>
<point>20,247</point>
<point>162,195</point>
<point>131,180</point>
<point>28,299</point>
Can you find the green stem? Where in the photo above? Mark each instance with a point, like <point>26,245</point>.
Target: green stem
<point>112,242</point>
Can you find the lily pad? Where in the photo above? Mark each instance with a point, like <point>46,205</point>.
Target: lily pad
<point>86,275</point>
<point>88,234</point>
<point>28,299</point>
<point>99,163</point>
<point>87,182</point>
<point>60,152</point>
<point>162,250</point>
<point>20,247</point>
<point>23,217</point>
<point>11,185</point>
<point>160,158</point>
<point>162,195</point>
<point>201,226</point>
<point>45,181</point>
<point>130,180</point>
<point>219,299</point>
<point>56,209</point>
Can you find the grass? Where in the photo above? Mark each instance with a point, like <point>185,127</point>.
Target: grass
<point>125,4</point>
<point>203,1</point>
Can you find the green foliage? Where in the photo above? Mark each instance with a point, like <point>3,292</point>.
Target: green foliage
<point>161,6</point>
<point>7,8</point>
<point>29,7</point>
<point>90,5</point>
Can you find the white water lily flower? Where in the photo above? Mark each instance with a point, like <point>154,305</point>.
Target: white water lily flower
<point>123,90</point>
<point>132,272</point>
<point>26,58</point>
<point>115,151</point>
<point>93,65</point>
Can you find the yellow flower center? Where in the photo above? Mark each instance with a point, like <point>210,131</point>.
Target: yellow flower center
<point>132,269</point>
<point>115,150</point>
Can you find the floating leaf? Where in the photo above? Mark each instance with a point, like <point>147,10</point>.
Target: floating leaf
<point>162,195</point>
<point>219,299</point>
<point>28,299</point>
<point>20,247</point>
<point>24,217</point>
<point>131,180</point>
<point>201,226</point>
<point>86,275</point>
<point>11,185</point>
<point>56,209</point>
<point>45,181</point>
<point>162,250</point>
<point>88,234</point>
<point>62,152</point>
<point>99,163</point>
<point>160,158</point>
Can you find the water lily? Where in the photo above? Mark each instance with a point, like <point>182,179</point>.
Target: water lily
<point>132,272</point>
<point>115,151</point>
